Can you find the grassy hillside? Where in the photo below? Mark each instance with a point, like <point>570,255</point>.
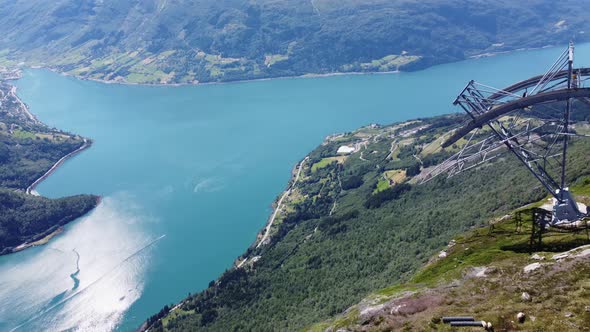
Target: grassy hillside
<point>482,274</point>
<point>353,224</point>
<point>28,149</point>
<point>162,41</point>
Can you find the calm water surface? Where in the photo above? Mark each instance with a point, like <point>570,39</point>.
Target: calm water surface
<point>188,175</point>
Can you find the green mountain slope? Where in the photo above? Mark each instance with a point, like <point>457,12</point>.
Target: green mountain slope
<point>353,224</point>
<point>182,41</point>
<point>491,274</point>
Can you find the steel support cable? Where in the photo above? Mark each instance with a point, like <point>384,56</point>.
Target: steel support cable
<point>557,95</point>
<point>560,59</point>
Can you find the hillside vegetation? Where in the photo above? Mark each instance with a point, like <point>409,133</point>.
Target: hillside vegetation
<point>182,41</point>
<point>28,149</point>
<point>492,274</point>
<point>357,223</point>
<point>26,219</point>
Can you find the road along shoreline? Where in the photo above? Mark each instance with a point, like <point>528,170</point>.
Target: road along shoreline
<point>31,189</point>
<point>286,193</point>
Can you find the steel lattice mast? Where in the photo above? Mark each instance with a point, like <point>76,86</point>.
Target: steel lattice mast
<point>489,107</point>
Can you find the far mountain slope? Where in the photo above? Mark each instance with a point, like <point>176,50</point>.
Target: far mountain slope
<point>181,41</point>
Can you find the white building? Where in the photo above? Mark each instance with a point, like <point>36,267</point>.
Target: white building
<point>345,149</point>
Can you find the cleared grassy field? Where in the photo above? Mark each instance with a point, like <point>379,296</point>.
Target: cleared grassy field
<point>22,134</point>
<point>390,62</point>
<point>390,179</point>
<point>327,161</point>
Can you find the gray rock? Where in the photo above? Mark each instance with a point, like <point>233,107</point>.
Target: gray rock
<point>395,309</point>
<point>367,313</point>
<point>531,267</point>
<point>526,297</point>
<point>584,253</point>
<point>520,317</point>
<point>560,256</point>
<point>480,272</point>
<point>537,257</point>
<point>569,314</point>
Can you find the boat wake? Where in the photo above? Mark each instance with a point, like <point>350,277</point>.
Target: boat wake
<point>74,275</point>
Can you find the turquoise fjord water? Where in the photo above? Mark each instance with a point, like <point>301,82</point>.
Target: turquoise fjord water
<point>188,175</point>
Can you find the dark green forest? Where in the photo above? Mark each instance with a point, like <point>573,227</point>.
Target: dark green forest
<point>319,264</point>
<point>24,160</point>
<point>27,218</point>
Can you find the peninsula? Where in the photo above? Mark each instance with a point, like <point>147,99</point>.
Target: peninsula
<point>29,152</point>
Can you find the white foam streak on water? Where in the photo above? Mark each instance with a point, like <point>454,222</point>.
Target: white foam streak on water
<point>100,306</point>
<point>110,241</point>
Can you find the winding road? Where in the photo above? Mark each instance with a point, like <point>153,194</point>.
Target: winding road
<point>278,208</point>
<point>31,189</point>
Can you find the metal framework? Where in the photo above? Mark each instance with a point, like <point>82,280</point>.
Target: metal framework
<point>539,141</point>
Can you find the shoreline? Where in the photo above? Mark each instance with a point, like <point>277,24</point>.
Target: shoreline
<point>87,143</point>
<point>25,108</point>
<point>308,75</point>
<point>303,76</point>
<point>524,49</point>
<point>40,242</point>
<point>31,189</point>
<point>285,193</point>
<point>46,236</point>
<point>262,237</point>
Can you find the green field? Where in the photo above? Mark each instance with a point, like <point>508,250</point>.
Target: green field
<point>23,134</point>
